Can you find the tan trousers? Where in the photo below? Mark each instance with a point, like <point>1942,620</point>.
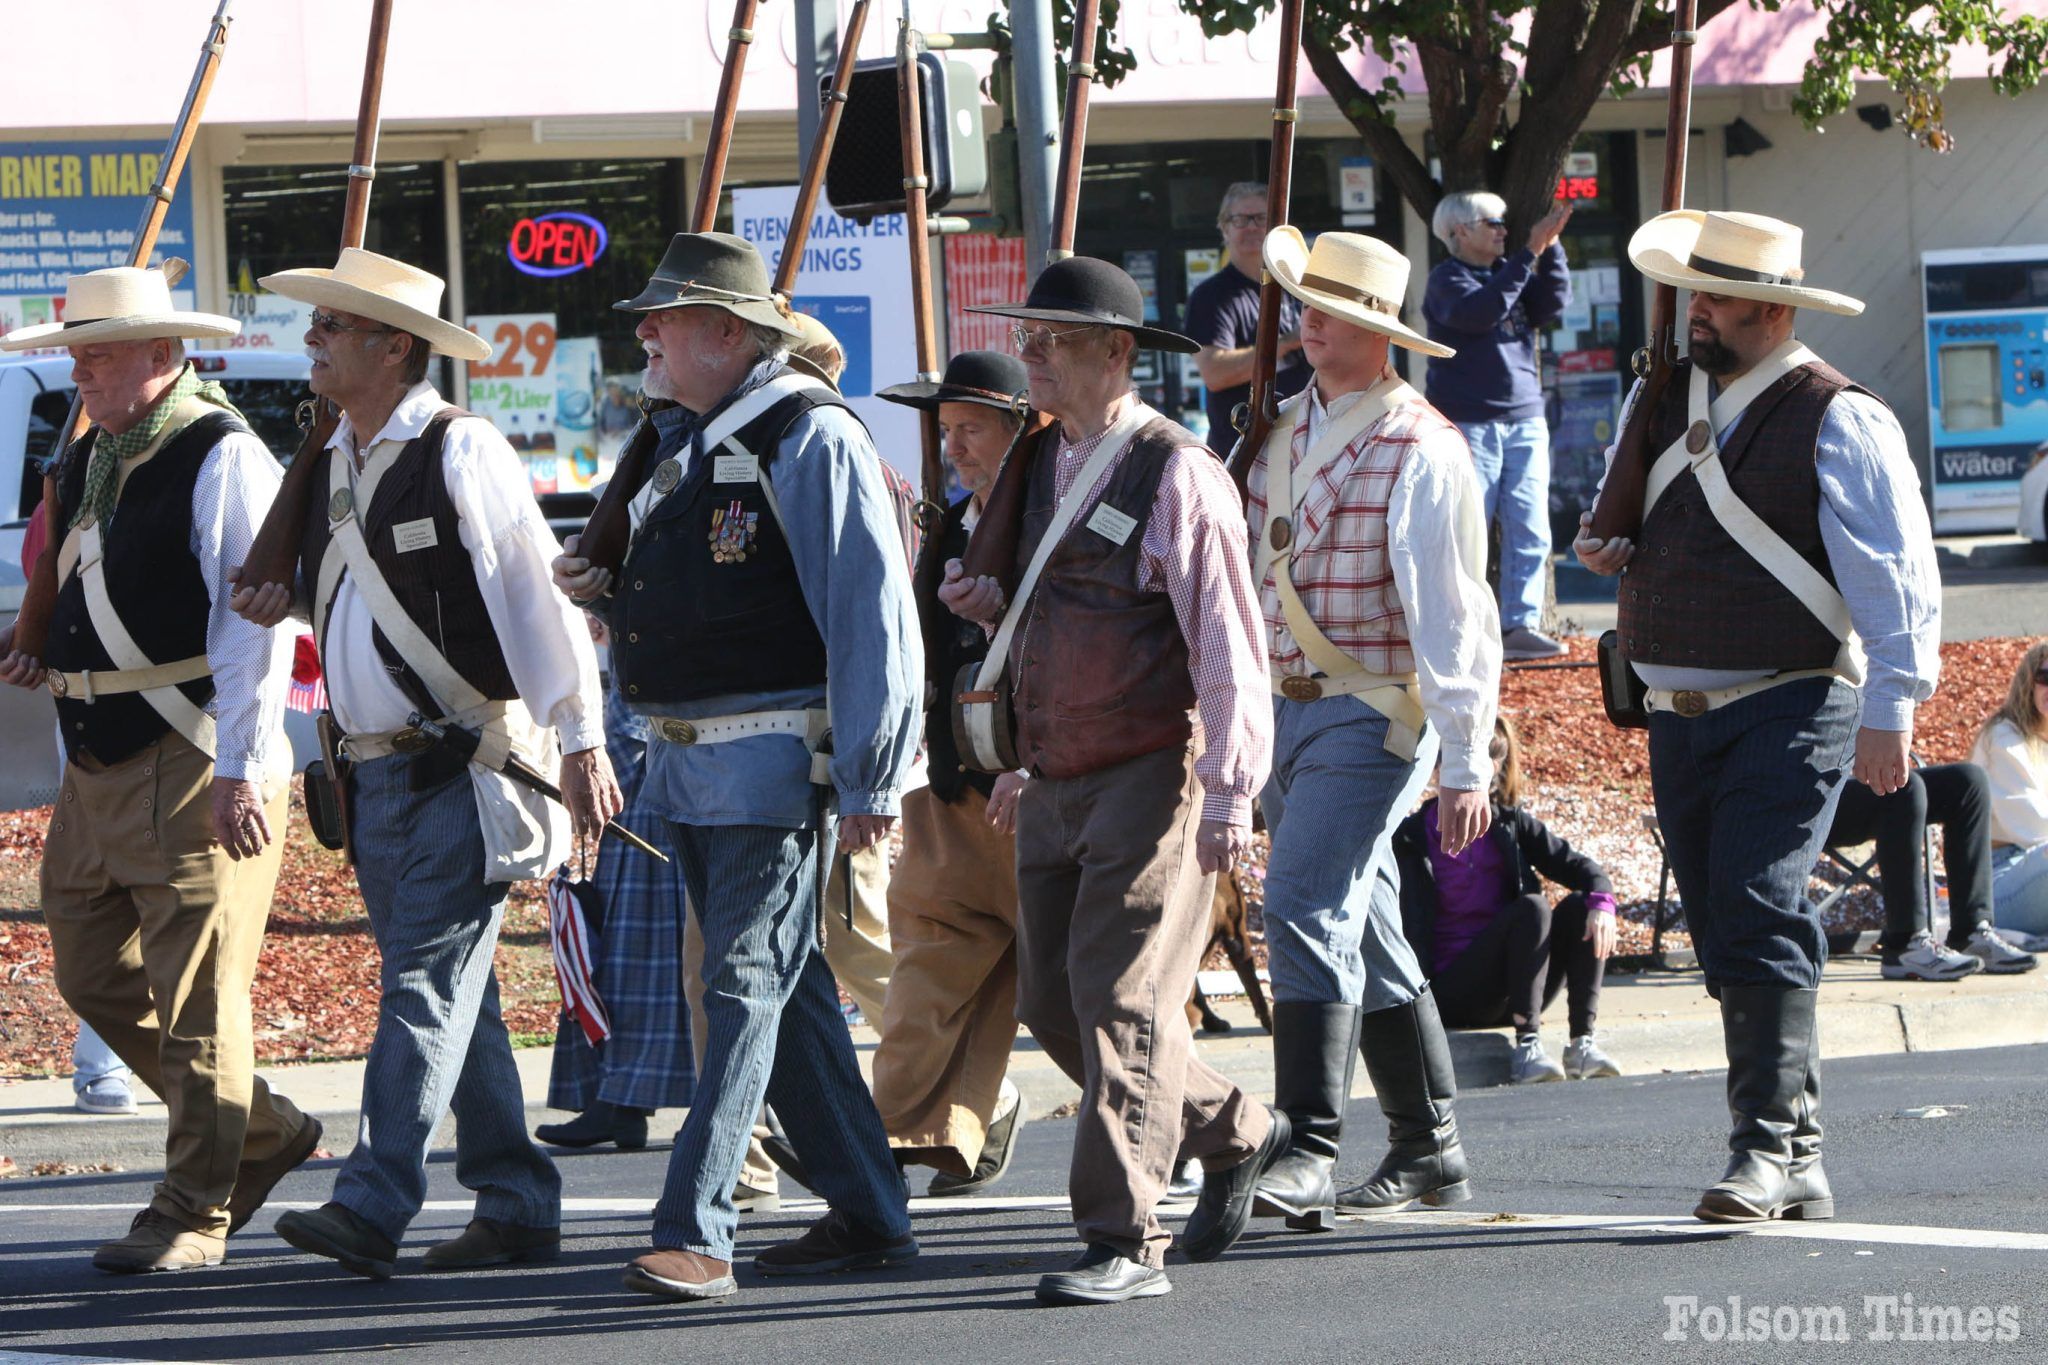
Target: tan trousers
<point>1112,918</point>
<point>859,959</point>
<point>156,932</point>
<point>951,1016</point>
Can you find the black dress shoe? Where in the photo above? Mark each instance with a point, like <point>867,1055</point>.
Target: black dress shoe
<point>1226,1204</point>
<point>339,1233</point>
<point>835,1243</point>
<point>996,1152</point>
<point>624,1128</point>
<point>1102,1274</point>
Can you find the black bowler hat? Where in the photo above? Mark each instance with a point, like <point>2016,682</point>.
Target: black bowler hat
<point>718,270</point>
<point>971,377</point>
<point>1083,289</point>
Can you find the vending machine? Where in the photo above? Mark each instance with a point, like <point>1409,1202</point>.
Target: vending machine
<point>1987,379</point>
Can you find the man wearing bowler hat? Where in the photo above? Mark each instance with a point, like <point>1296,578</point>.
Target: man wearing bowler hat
<point>766,581</point>
<point>1385,649</point>
<point>1784,559</point>
<point>1113,554</point>
<point>951,1016</point>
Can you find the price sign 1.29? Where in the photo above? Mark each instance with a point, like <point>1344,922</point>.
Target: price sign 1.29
<point>522,345</point>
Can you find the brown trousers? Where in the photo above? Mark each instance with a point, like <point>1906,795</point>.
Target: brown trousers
<point>1112,919</point>
<point>156,932</point>
<point>951,1017</point>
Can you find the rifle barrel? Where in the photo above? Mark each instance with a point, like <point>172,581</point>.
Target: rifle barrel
<point>813,182</point>
<point>711,183</point>
<point>909,103</point>
<point>1074,130</point>
<point>355,213</point>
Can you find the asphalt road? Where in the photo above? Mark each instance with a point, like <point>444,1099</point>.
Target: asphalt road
<point>1571,1250</point>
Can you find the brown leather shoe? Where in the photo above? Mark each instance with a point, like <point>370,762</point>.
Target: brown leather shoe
<point>486,1241</point>
<point>155,1241</point>
<point>254,1180</point>
<point>686,1277</point>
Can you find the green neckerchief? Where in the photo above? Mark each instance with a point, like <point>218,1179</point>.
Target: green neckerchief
<point>108,452</point>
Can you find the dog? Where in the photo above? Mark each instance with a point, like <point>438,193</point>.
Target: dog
<point>1227,930</point>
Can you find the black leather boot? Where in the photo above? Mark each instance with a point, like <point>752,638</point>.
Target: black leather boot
<point>1773,1103</point>
<point>1315,1047</point>
<point>1409,1060</point>
<point>601,1122</point>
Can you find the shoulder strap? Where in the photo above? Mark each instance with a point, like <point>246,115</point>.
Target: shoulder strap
<point>1336,438</point>
<point>1113,442</point>
<point>178,710</point>
<point>1730,404</point>
<point>721,430</point>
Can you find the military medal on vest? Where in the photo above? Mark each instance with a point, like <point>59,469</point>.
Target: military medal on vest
<point>733,532</point>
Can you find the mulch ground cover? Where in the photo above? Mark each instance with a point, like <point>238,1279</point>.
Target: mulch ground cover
<point>316,987</point>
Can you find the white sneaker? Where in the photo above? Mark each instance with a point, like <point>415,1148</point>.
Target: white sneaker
<point>1926,960</point>
<point>1999,957</point>
<point>107,1095</point>
<point>1530,1064</point>
<point>1584,1061</point>
<point>2024,941</point>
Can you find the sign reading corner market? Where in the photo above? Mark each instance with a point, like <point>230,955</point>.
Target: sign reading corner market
<point>70,207</point>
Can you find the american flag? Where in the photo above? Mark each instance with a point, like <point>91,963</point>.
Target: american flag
<point>309,689</point>
<point>569,940</point>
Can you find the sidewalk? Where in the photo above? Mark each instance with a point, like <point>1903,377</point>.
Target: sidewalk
<point>1649,1022</point>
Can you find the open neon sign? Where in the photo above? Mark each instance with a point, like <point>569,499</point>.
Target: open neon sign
<point>556,244</point>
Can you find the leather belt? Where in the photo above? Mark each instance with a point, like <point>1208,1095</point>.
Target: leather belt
<point>1693,702</point>
<point>808,726</point>
<point>109,682</point>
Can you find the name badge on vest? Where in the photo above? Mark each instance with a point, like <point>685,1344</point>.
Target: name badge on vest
<point>415,535</point>
<point>1111,524</point>
<point>740,468</point>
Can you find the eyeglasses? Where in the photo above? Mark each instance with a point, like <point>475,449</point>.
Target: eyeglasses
<point>1244,220</point>
<point>330,323</point>
<point>1490,222</point>
<point>1042,339</point>
<point>2041,677</point>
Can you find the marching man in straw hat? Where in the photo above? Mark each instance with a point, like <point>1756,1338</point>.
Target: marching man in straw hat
<point>1782,528</point>
<point>1130,617</point>
<point>425,575</point>
<point>766,578</point>
<point>163,850</point>
<point>1369,552</point>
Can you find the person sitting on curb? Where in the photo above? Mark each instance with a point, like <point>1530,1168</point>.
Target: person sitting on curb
<point>1499,952</point>
<point>1957,797</point>
<point>2012,748</point>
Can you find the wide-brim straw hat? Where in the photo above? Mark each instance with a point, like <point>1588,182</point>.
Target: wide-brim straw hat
<point>1350,276</point>
<point>398,295</point>
<point>1742,255</point>
<point>715,270</point>
<point>990,378</point>
<point>1097,293</point>
<point>814,348</point>
<point>124,303</point>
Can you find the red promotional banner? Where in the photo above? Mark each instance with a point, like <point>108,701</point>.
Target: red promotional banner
<point>979,271</point>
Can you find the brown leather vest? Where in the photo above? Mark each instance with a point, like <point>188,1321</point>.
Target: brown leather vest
<point>1693,598</point>
<point>1100,665</point>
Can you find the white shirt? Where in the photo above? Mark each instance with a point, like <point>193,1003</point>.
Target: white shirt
<point>546,645</point>
<point>2018,771</point>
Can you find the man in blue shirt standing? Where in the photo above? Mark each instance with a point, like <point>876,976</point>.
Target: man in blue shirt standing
<point>1488,305</point>
<point>1223,316</point>
<point>764,545</point>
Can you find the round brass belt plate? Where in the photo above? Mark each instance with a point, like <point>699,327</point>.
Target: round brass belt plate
<point>340,504</point>
<point>1689,704</point>
<point>58,687</point>
<point>676,731</point>
<point>1294,687</point>
<point>1280,533</point>
<point>1697,436</point>
<point>410,741</point>
<point>667,475</point>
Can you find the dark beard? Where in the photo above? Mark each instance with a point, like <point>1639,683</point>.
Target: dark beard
<point>1711,356</point>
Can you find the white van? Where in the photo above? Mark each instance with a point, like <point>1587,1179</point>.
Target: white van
<point>35,401</point>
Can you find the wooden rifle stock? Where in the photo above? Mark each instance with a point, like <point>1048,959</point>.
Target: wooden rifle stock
<point>274,553</point>
<point>1619,509</point>
<point>1263,406</point>
<point>31,628</point>
<point>609,531</point>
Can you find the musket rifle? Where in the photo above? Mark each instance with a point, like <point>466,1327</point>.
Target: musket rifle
<point>931,468</point>
<point>29,634</point>
<point>1255,420</point>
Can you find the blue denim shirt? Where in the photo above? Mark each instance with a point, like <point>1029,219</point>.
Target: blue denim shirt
<point>851,565</point>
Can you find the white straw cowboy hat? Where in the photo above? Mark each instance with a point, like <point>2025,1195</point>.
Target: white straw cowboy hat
<point>1743,255</point>
<point>387,291</point>
<point>1350,276</point>
<point>125,303</point>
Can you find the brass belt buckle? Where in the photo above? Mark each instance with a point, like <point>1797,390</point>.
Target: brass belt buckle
<point>675,731</point>
<point>55,681</point>
<point>410,740</point>
<point>1295,687</point>
<point>1689,704</point>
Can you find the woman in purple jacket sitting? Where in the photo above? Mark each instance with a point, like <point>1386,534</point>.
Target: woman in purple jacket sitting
<point>1497,951</point>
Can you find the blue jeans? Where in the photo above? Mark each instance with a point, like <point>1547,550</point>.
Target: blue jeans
<point>441,1043</point>
<point>2019,888</point>
<point>1513,463</point>
<point>775,1030</point>
<point>1746,795</point>
<point>92,1060</point>
<point>1333,899</point>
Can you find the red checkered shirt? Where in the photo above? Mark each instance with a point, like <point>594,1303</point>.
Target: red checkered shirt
<point>1389,556</point>
<point>1194,551</point>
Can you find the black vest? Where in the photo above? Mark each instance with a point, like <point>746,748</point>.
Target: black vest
<point>708,602</point>
<point>153,581</point>
<point>950,644</point>
<point>435,584</point>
